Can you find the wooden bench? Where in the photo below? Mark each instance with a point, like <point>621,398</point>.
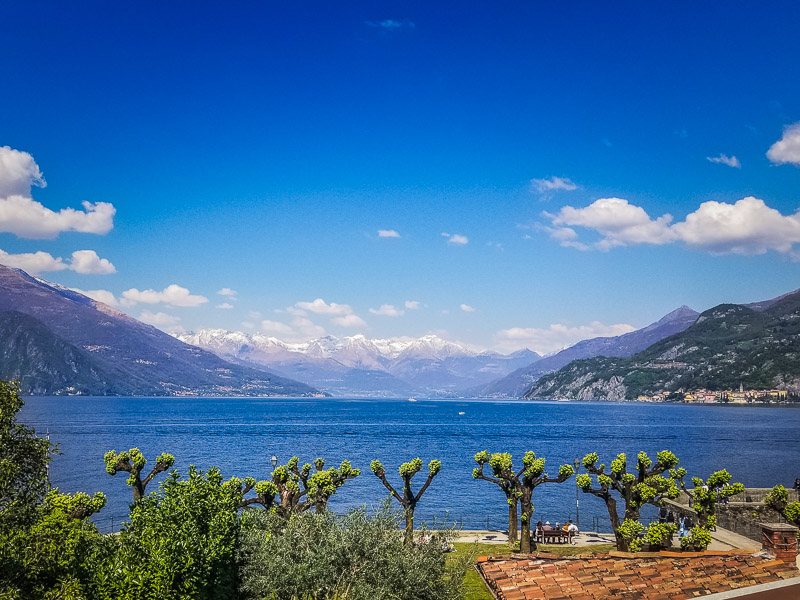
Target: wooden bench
<point>557,536</point>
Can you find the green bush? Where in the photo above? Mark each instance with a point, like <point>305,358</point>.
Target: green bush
<point>180,542</point>
<point>357,556</point>
<point>698,539</point>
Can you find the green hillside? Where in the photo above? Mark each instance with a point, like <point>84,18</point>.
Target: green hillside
<point>727,346</point>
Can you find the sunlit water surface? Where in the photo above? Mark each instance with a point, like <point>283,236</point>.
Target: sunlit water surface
<point>759,445</point>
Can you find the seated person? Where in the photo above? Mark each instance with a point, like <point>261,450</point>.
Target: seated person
<point>572,532</point>
<point>547,527</point>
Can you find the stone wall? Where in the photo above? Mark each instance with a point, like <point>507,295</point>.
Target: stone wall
<point>742,514</point>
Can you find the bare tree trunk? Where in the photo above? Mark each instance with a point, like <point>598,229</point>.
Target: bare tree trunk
<point>525,545</point>
<point>611,504</point>
<point>409,537</point>
<point>513,517</point>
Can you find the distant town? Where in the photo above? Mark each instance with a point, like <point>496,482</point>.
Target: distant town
<point>703,396</point>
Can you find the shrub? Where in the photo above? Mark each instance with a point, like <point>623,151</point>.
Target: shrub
<point>180,542</point>
<point>357,556</point>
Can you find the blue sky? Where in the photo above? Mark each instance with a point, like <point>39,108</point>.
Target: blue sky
<point>261,147</point>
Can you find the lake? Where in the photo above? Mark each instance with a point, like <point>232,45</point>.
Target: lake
<point>759,445</point>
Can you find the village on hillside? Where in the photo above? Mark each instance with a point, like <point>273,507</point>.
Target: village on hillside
<point>704,396</point>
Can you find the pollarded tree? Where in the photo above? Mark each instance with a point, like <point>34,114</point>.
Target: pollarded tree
<point>132,462</point>
<point>645,486</point>
<point>778,499</point>
<point>408,500</point>
<point>522,483</point>
<point>505,486</point>
<point>295,489</point>
<point>703,498</point>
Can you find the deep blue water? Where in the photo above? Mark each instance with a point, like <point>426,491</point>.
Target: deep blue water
<point>760,446</point>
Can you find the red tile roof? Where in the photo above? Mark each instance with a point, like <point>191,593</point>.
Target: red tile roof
<point>628,576</point>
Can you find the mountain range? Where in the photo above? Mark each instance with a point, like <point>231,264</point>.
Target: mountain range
<point>55,341</point>
<point>518,382</point>
<point>360,366</point>
<point>755,345</point>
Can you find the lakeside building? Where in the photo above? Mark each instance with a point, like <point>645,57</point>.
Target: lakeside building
<point>703,396</point>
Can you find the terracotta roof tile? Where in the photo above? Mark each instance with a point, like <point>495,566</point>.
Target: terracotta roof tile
<point>625,576</point>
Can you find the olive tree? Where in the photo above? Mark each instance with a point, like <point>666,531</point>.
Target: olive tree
<point>409,499</point>
<point>520,485</point>
<point>778,499</point>
<point>132,462</point>
<point>646,485</point>
<point>703,498</point>
<point>294,489</point>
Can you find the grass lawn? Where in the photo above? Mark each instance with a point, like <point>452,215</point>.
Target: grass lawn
<point>475,589</point>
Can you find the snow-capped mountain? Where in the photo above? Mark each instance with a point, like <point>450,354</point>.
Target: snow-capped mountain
<point>357,365</point>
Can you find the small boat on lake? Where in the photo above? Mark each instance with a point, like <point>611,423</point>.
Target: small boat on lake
<point>462,412</point>
<point>412,399</point>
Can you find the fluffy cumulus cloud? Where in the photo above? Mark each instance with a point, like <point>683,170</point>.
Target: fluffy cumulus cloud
<point>387,310</point>
<point>21,215</point>
<point>275,328</point>
<point>320,307</point>
<point>467,308</point>
<point>456,239</point>
<point>553,184</point>
<point>724,159</point>
<point>168,323</point>
<point>554,337</point>
<point>85,262</point>
<point>617,221</point>
<point>786,151</point>
<point>228,293</point>
<point>225,306</point>
<point>172,295</point>
<point>339,314</point>
<point>349,321</point>
<point>388,233</point>
<point>747,226</point>
<point>103,296</point>
<point>412,304</point>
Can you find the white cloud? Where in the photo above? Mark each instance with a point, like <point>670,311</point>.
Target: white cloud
<point>276,328</point>
<point>554,184</point>
<point>306,329</point>
<point>747,226</point>
<point>172,295</point>
<point>228,292</point>
<point>387,310</point>
<point>162,320</point>
<point>786,151</point>
<point>21,215</point>
<point>320,307</point>
<point>103,296</point>
<point>467,308</point>
<point>388,233</point>
<point>412,304</point>
<point>456,239</point>
<point>254,314</point>
<point>33,263</point>
<point>225,306</point>
<point>18,173</point>
<point>724,159</point>
<point>349,321</point>
<point>618,222</point>
<point>554,337</point>
<point>85,262</point>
